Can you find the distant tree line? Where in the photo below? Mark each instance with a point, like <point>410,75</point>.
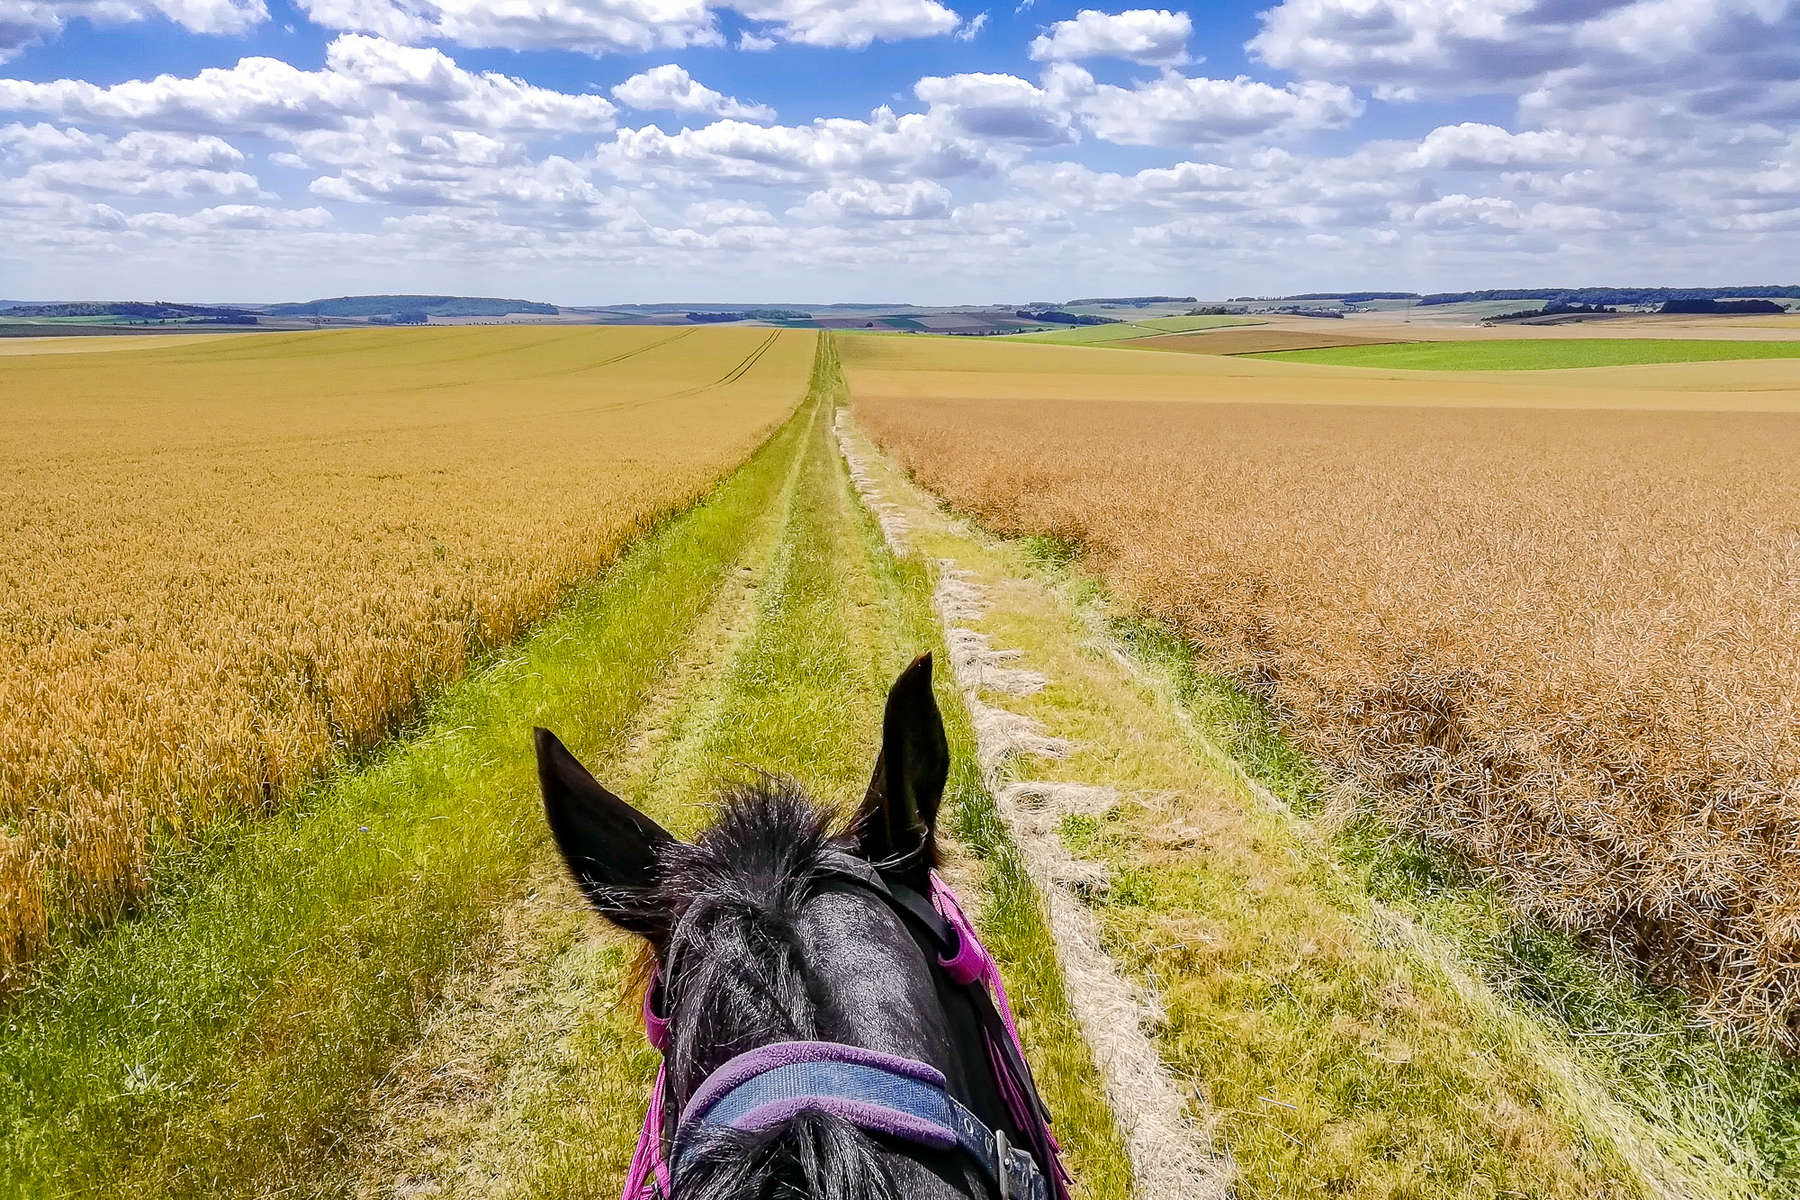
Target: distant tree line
<point>750,314</point>
<point>1352,297</point>
<point>140,310</point>
<point>1131,301</point>
<point>1704,305</point>
<point>1641,297</point>
<point>436,306</point>
<point>1638,297</point>
<point>1556,308</point>
<point>1057,316</point>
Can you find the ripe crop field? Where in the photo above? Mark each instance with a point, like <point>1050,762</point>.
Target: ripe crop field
<point>227,563</point>
<point>1533,354</point>
<point>1545,621</point>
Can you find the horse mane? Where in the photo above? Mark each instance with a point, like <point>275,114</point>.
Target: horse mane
<point>738,981</point>
<point>815,1156</point>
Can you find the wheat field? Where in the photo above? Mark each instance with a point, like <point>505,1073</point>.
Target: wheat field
<point>226,564</point>
<point>1559,636</point>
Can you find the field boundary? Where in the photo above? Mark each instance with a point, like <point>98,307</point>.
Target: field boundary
<point>1702,1115</point>
<point>1171,1154</point>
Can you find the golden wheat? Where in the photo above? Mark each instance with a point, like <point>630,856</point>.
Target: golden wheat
<point>1562,639</point>
<point>224,564</point>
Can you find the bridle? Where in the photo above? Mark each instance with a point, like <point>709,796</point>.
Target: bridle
<point>890,1097</point>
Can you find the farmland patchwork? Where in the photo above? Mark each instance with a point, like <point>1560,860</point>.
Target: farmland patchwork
<point>1343,759</point>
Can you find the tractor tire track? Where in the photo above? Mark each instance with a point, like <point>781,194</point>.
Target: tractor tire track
<point>510,1074</point>
<point>738,372</point>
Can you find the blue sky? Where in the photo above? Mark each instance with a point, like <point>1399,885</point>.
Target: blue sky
<point>929,150</point>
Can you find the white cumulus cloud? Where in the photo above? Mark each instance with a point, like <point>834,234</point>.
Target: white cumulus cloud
<point>1177,110</point>
<point>23,22</point>
<point>670,88</point>
<point>589,26</point>
<point>850,23</point>
<point>1000,107</point>
<point>600,27</point>
<point>1143,35</point>
<point>885,147</point>
<point>40,163</point>
<point>363,78</point>
<point>1630,63</point>
<point>867,199</point>
<point>1475,146</point>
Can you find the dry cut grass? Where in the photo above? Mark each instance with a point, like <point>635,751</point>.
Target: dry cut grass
<point>1564,643</point>
<point>224,564</point>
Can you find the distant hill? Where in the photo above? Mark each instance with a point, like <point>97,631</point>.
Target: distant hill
<point>142,310</point>
<point>1618,295</point>
<point>1352,297</point>
<point>1132,301</point>
<point>671,307</point>
<point>432,306</point>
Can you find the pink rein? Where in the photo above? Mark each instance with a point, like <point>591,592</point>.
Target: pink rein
<point>648,1177</point>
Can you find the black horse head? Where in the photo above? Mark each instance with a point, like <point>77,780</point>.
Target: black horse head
<point>758,940</point>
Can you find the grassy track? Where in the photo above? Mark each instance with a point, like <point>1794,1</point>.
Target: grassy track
<point>548,1075</point>
<point>224,1040</point>
<point>1536,354</point>
<point>791,678</point>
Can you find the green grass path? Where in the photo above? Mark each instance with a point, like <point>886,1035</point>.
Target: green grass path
<point>788,677</point>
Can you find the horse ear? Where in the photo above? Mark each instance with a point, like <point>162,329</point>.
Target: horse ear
<point>897,823</point>
<point>611,848</point>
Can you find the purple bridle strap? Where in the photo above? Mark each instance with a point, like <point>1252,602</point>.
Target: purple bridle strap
<point>970,963</point>
<point>648,1176</point>
<point>782,1054</point>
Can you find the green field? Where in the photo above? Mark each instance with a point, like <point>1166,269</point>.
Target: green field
<point>1536,354</point>
<point>1089,335</point>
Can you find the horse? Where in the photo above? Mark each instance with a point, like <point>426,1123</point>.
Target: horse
<point>830,1025</point>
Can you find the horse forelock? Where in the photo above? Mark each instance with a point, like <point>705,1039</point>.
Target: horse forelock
<point>736,978</point>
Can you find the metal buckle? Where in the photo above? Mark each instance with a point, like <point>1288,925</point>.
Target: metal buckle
<point>1023,1179</point>
<point>1003,1164</point>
